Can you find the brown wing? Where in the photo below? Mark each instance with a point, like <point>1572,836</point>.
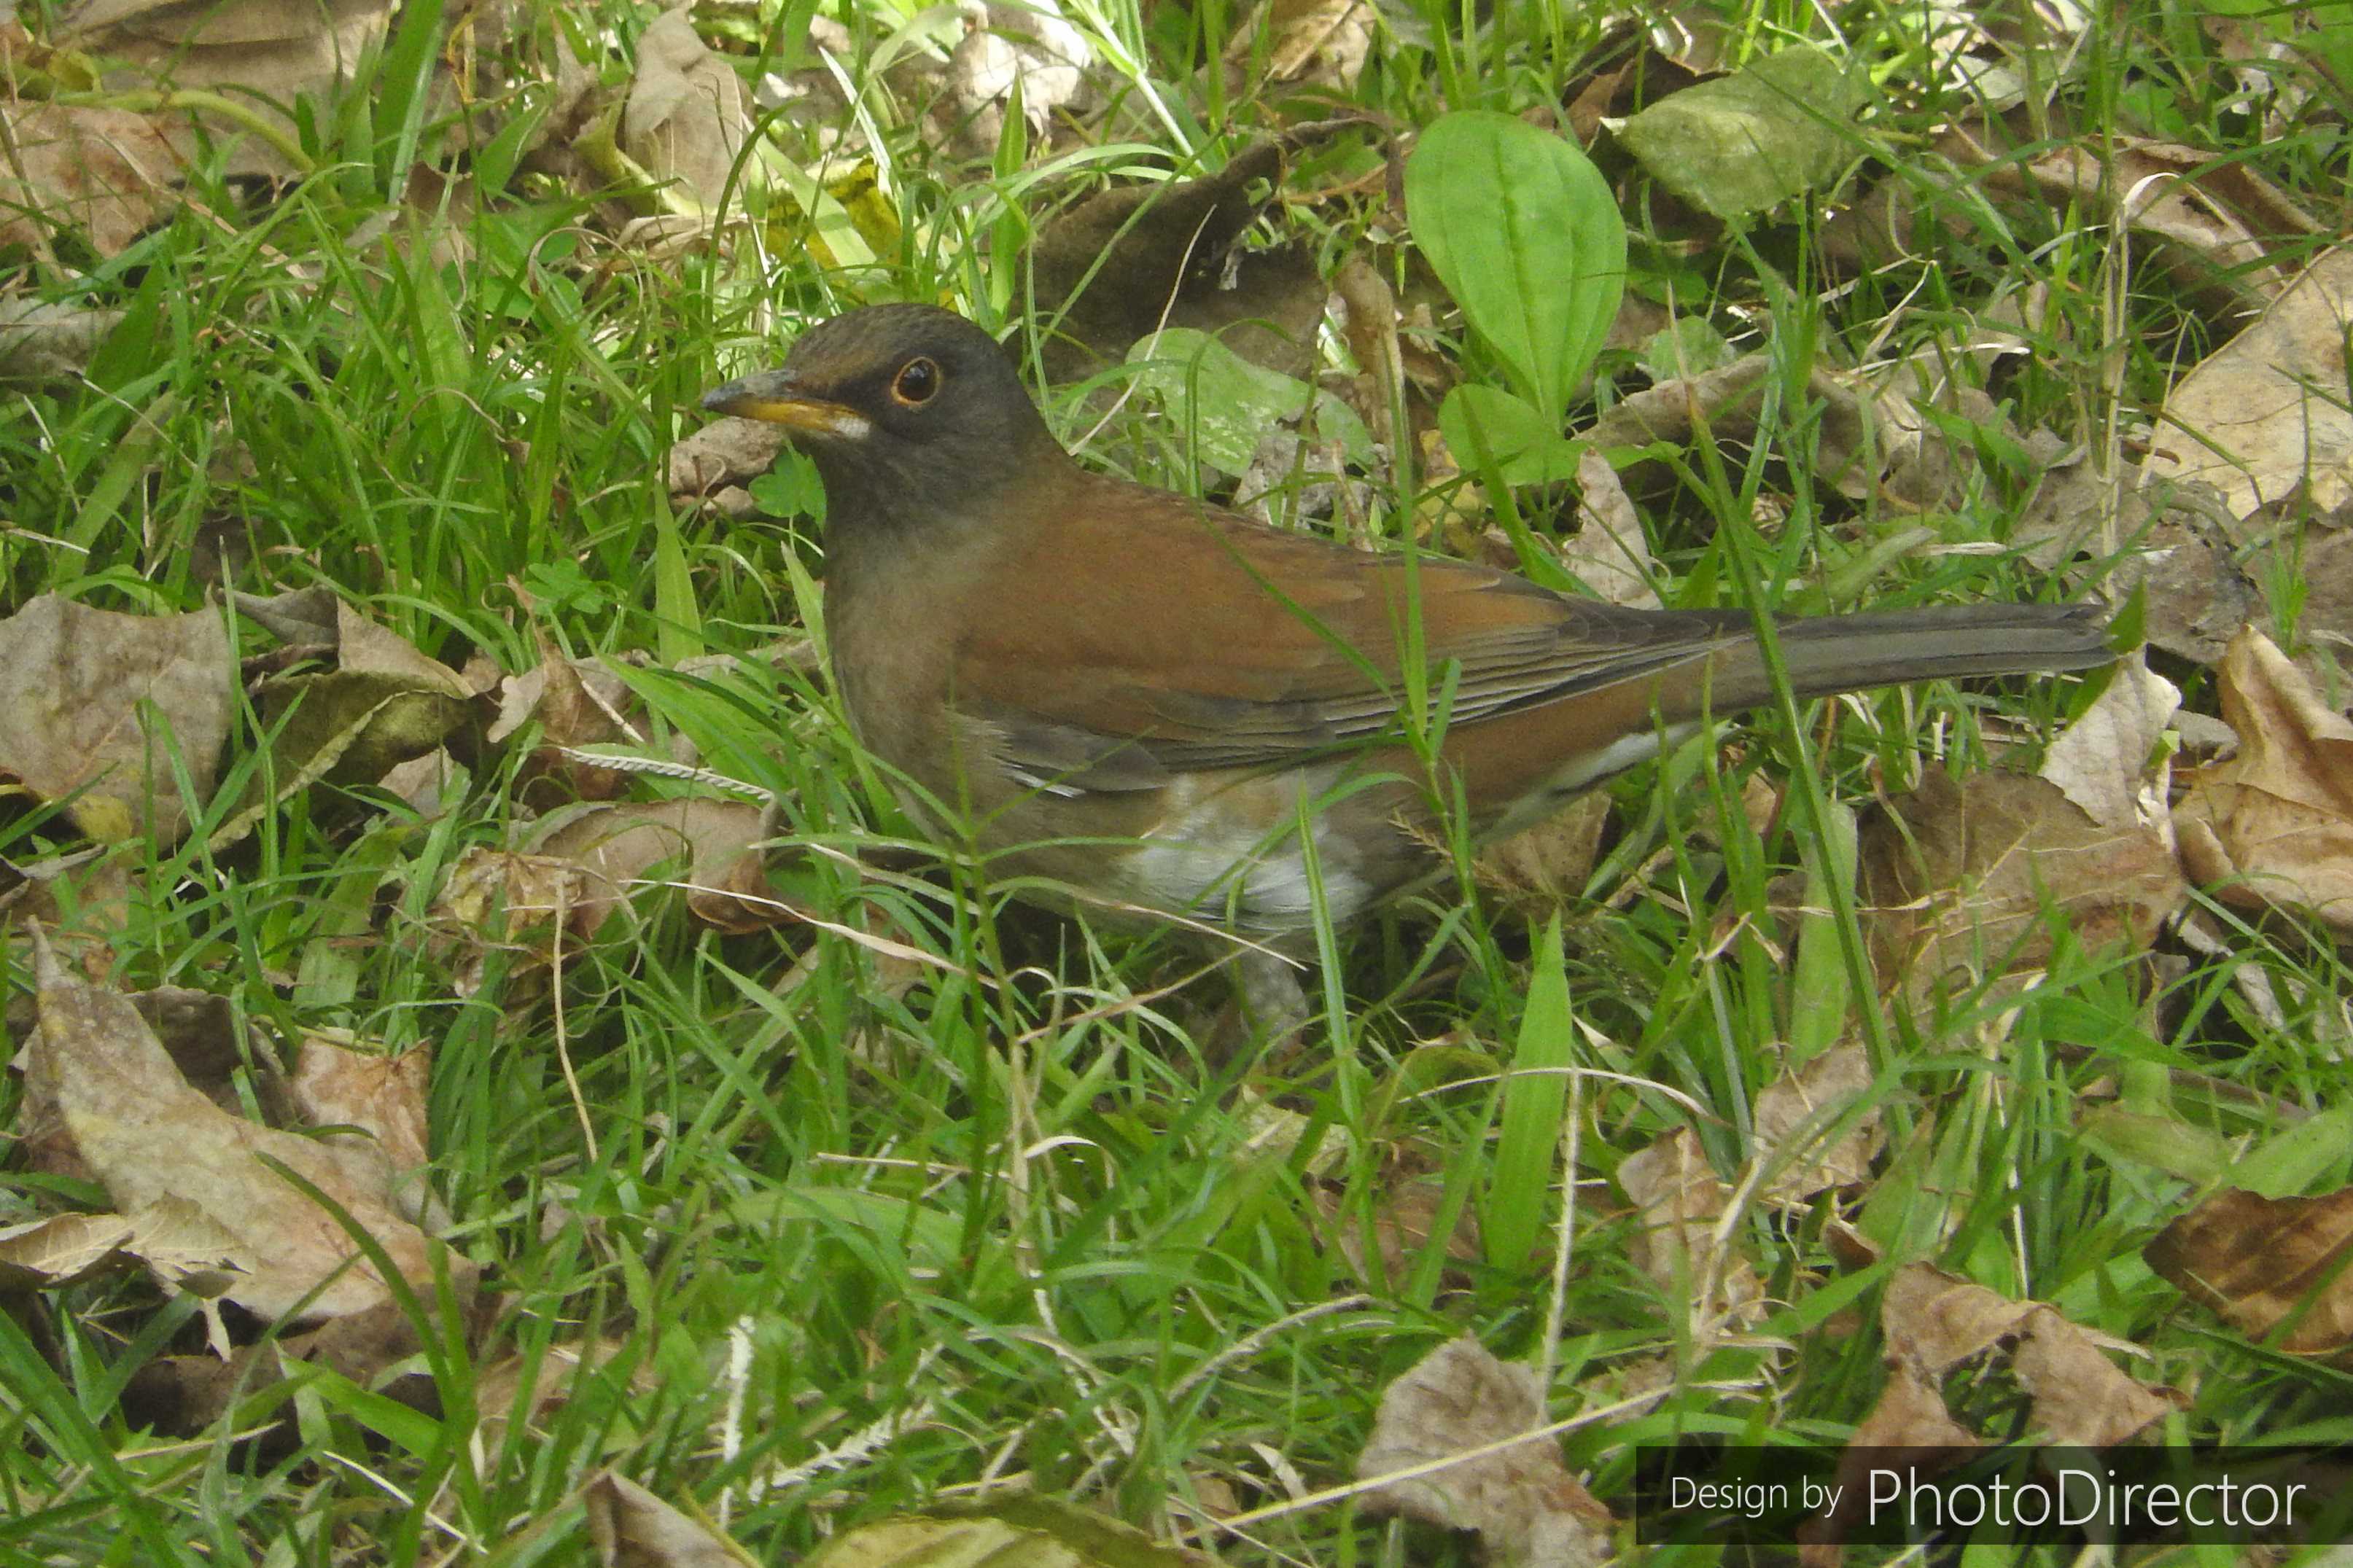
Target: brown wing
<point>1164,636</point>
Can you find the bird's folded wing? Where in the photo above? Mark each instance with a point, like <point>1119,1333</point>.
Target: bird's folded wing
<point>1174,638</point>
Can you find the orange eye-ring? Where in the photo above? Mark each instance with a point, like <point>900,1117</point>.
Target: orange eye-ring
<point>917,382</point>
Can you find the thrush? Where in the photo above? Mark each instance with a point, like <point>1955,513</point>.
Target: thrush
<point>1140,700</point>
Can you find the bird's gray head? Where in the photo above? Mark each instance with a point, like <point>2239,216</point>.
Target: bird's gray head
<point>908,411</point>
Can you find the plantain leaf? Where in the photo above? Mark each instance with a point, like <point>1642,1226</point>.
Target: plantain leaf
<point>1522,230</point>
<point>1487,425</point>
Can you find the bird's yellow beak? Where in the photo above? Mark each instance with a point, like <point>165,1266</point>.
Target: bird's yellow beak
<point>775,397</point>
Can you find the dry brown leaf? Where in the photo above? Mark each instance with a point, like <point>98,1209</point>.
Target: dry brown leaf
<point>1609,553</point>
<point>386,703</point>
<point>614,846</point>
<point>2260,1261</point>
<point>1870,434</point>
<point>723,454</point>
<point>635,1528</point>
<point>553,1373</point>
<point>500,898</point>
<point>686,118</point>
<point>184,1394</point>
<point>2219,221</point>
<point>1960,876</point>
<point>2171,541</point>
<point>74,712</point>
<point>2274,824</point>
<point>383,1097</point>
<point>363,647</point>
<point>1681,1199</point>
<point>1526,1507</point>
<point>1809,1101</point>
<point>1006,47</point>
<point>1538,870</point>
<point>63,1249</point>
<point>2215,225</point>
<point>2263,418</point>
<point>199,1033</point>
<point>1908,1429</point>
<point>1911,1415</point>
<point>2102,760</point>
<point>42,344</point>
<point>103,173</point>
<point>577,703</point>
<point>1308,43</point>
<point>160,1146</point>
<point>273,50</point>
<point>1935,1321</point>
<point>2081,1399</point>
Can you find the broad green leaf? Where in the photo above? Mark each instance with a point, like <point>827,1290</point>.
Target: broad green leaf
<point>1224,403</point>
<point>1690,346</point>
<point>1533,1097</point>
<point>2289,1165</point>
<point>1486,425</point>
<point>1523,232</point>
<point>1751,141</point>
<point>2175,1147</point>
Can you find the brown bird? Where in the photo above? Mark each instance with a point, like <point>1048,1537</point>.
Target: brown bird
<point>1133,697</point>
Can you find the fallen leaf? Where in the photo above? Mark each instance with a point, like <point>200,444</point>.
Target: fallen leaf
<point>159,1145</point>
<point>1307,43</point>
<point>724,452</point>
<point>1541,868</point>
<point>635,1528</point>
<point>1404,1218</point>
<point>616,846</point>
<point>576,703</point>
<point>1908,1429</point>
<point>44,344</point>
<point>78,712</point>
<point>102,174</point>
<point>2100,762</point>
<point>1808,1102</point>
<point>2266,1264</point>
<point>2263,418</point>
<point>63,1249</point>
<point>385,703</point>
<point>1736,145</point>
<point>2217,221</point>
<point>686,118</point>
<point>1679,1200</point>
<point>382,1097</point>
<point>1958,878</point>
<point>1609,553</point>
<point>2171,541</point>
<point>2273,825</point>
<point>1006,48</point>
<point>274,51</point>
<point>1935,1321</point>
<point>1869,434</point>
<point>1521,1501</point>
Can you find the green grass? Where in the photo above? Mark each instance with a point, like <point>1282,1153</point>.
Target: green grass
<point>1008,1202</point>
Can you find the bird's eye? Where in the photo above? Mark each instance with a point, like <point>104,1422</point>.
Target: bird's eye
<point>917,382</point>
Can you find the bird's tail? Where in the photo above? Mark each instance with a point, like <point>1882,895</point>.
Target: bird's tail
<point>1831,654</point>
